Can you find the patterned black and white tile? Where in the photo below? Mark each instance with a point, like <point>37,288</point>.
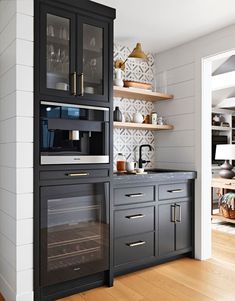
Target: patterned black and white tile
<point>127,141</point>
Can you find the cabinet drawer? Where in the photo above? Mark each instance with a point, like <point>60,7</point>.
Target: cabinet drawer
<point>132,248</point>
<point>172,191</point>
<point>133,195</point>
<point>128,222</point>
<point>72,174</point>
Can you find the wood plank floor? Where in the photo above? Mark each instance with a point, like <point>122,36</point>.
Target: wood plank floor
<point>181,280</point>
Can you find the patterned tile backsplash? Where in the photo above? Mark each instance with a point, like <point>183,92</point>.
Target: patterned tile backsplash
<point>127,141</point>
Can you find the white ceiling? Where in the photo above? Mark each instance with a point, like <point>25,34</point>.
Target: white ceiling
<point>163,24</point>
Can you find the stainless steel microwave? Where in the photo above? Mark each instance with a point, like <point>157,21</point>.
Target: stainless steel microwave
<point>73,134</point>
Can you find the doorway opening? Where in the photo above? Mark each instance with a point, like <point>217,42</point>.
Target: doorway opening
<point>218,127</point>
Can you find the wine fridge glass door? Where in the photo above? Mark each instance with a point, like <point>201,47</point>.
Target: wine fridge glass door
<point>74,231</point>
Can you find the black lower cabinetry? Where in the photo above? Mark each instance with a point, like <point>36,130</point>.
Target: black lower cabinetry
<point>153,223</point>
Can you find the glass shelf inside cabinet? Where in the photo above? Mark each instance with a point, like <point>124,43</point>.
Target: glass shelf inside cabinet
<point>58,52</point>
<point>93,59</point>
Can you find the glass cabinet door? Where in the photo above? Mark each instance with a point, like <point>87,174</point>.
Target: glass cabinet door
<point>93,77</point>
<point>74,231</point>
<point>57,52</point>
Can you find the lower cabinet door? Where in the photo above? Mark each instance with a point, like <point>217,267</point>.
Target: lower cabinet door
<point>183,225</point>
<point>166,229</point>
<point>133,248</point>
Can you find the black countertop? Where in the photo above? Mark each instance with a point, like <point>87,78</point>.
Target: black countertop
<point>158,175</point>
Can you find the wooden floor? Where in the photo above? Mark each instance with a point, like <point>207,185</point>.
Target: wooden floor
<point>181,280</point>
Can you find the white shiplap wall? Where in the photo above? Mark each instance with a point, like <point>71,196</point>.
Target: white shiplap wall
<point>188,145</point>
<point>16,149</point>
<point>179,112</point>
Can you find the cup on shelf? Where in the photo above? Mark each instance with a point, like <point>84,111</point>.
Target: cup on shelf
<point>50,30</point>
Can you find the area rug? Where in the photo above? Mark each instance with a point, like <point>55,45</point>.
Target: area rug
<point>223,226</point>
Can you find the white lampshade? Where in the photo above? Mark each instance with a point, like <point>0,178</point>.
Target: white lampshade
<point>225,152</point>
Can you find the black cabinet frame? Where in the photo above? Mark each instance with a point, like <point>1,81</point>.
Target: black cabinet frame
<point>103,16</point>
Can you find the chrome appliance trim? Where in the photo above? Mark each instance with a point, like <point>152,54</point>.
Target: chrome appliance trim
<point>47,160</point>
<point>48,103</point>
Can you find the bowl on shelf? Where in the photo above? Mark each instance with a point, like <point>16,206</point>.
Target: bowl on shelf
<point>137,85</point>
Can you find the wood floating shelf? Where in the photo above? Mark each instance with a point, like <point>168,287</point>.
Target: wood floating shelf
<point>142,126</point>
<point>140,94</point>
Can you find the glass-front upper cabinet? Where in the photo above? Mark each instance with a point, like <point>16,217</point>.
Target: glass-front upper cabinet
<point>94,59</point>
<point>57,58</point>
<point>74,55</point>
<point>58,52</point>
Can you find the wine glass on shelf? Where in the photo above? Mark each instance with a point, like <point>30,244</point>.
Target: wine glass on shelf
<point>51,57</point>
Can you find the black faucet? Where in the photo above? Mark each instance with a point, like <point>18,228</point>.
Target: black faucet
<point>141,161</point>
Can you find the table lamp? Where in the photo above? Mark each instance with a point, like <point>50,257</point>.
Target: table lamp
<point>225,152</point>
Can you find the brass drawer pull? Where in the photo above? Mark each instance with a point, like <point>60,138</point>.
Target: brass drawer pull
<point>175,190</point>
<point>81,89</point>
<point>134,195</point>
<point>136,243</point>
<point>228,183</point>
<point>74,83</point>
<point>80,174</point>
<point>136,216</point>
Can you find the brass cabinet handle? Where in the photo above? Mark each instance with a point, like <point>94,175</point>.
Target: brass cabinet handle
<point>81,78</point>
<point>80,174</point>
<point>74,83</point>
<point>175,190</point>
<point>134,195</point>
<point>178,219</point>
<point>173,220</point>
<point>136,216</point>
<point>228,183</point>
<point>136,243</point>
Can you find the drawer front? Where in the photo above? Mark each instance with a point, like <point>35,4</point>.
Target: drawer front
<point>132,195</point>
<point>128,222</point>
<point>72,174</point>
<point>132,248</point>
<point>172,191</point>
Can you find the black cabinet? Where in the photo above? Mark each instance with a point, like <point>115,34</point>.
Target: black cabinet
<point>153,221</point>
<point>75,54</point>
<point>134,225</point>
<point>73,67</point>
<point>174,226</point>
